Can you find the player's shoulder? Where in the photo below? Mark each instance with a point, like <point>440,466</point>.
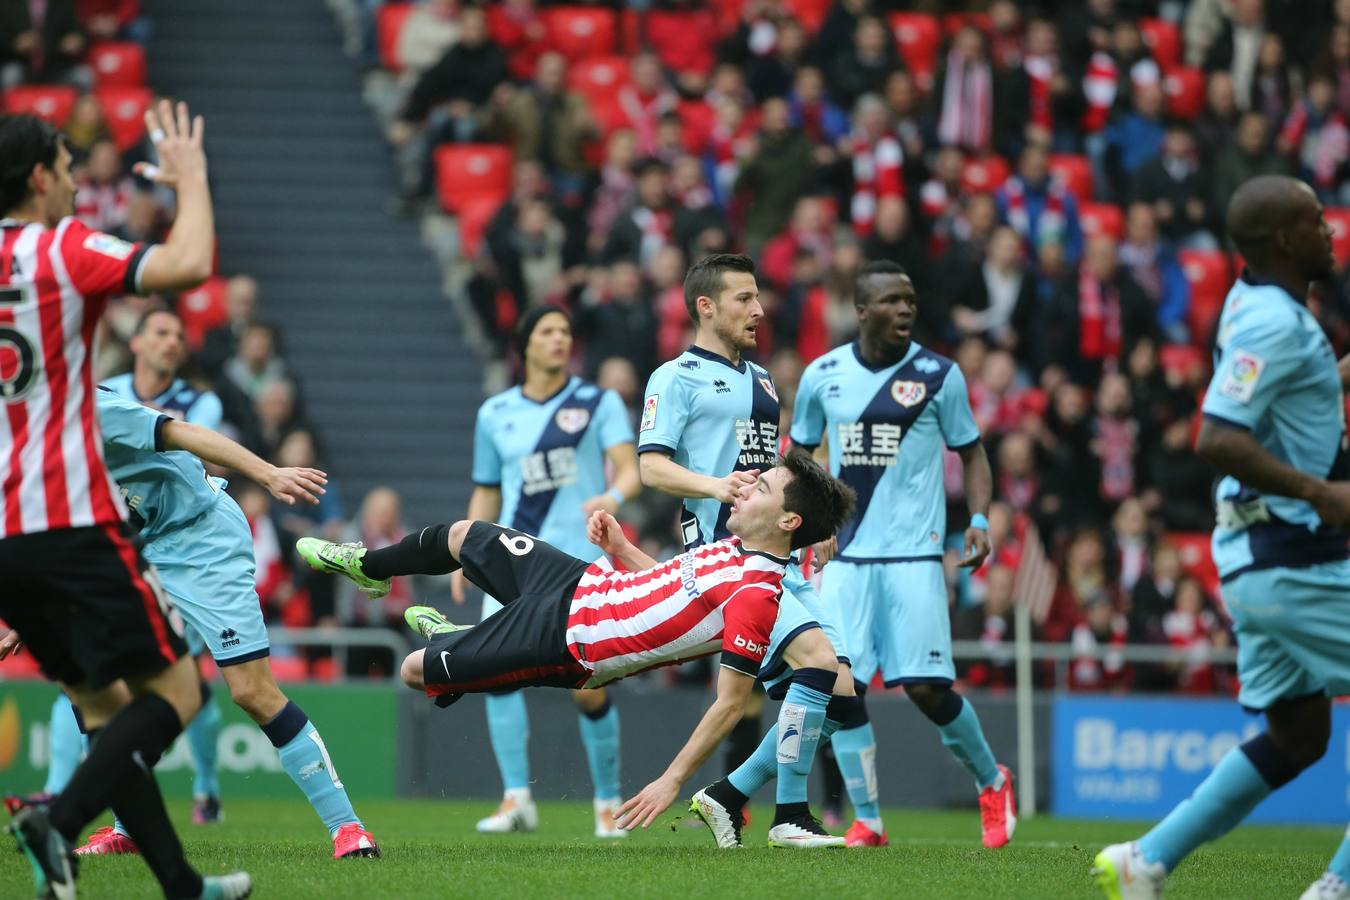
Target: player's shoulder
<point>1261,308</point>
<point>118,384</point>
<point>685,366</point>
<point>839,359</point>
<point>184,394</point>
<point>78,238</point>
<point>106,398</point>
<point>586,391</point>
<point>501,403</point>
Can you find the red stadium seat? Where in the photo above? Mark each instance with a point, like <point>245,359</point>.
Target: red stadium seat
<point>388,26</point>
<point>1163,39</point>
<point>465,171</point>
<point>578,32</point>
<point>1209,274</point>
<point>919,37</point>
<point>1339,220</point>
<point>630,31</point>
<point>50,102</point>
<point>698,119</point>
<point>684,41</point>
<point>202,309</point>
<point>124,110</point>
<point>1197,559</point>
<point>598,78</point>
<point>1185,89</point>
<point>985,174</point>
<point>1075,173</point>
<point>1102,218</point>
<point>810,13</point>
<point>118,64</point>
<point>474,216</point>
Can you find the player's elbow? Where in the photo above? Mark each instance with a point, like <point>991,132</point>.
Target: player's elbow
<point>648,464</point>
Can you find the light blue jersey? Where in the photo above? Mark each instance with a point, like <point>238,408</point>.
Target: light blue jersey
<point>163,490</point>
<point>1275,375</point>
<point>886,430</point>
<point>713,418</point>
<point>549,458</point>
<point>181,401</point>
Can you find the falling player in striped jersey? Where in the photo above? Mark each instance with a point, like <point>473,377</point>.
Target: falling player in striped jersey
<point>539,457</point>
<point>567,623</point>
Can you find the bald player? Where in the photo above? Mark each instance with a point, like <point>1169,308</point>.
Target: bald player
<point>1275,428</point>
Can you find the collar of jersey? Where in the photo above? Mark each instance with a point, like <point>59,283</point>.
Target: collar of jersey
<point>780,560</point>
<point>716,357</point>
<point>174,387</point>
<point>862,361</point>
<point>1251,280</point>
<point>550,398</point>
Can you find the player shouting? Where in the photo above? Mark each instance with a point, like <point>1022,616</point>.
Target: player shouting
<point>567,623</point>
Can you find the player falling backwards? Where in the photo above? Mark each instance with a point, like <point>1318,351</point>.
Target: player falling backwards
<point>200,544</point>
<point>76,586</point>
<point>568,623</point>
<point>539,455</point>
<point>1275,427</point>
<point>159,348</point>
<point>888,409</point>
<point>707,413</point>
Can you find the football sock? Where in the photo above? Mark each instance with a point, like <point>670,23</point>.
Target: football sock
<point>66,747</point>
<point>1340,863</point>
<point>1242,779</point>
<point>118,773</point>
<point>426,552</point>
<point>203,735</point>
<point>962,735</point>
<point>509,730</point>
<point>306,760</point>
<point>855,749</point>
<point>832,780</point>
<point>759,769</point>
<point>600,737</point>
<point>800,720</point>
<point>727,794</point>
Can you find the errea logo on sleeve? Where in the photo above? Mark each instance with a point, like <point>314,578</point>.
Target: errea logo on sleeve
<point>1244,371</point>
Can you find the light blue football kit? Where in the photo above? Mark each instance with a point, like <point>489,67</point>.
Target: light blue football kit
<point>200,543</point>
<point>887,429</point>
<point>1285,575</point>
<point>714,417</point>
<point>548,459</point>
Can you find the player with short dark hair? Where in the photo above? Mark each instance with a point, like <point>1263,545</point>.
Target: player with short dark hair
<point>707,413</point>
<point>889,409</point>
<point>1274,426</point>
<point>568,623</point>
<point>76,586</point>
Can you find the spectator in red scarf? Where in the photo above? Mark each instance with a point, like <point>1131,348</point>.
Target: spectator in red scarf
<point>104,191</point>
<point>1093,321</point>
<point>878,162</point>
<point>1035,101</point>
<point>811,230</point>
<point>1192,628</point>
<point>991,623</point>
<point>1153,264</point>
<point>1038,207</point>
<point>1098,639</point>
<point>1317,139</point>
<point>645,99</point>
<point>811,110</point>
<point>649,224</point>
<point>1115,439</point>
<point>966,94</point>
<point>776,172</point>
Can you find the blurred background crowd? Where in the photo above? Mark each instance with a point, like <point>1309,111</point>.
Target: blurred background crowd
<point>1053,176</point>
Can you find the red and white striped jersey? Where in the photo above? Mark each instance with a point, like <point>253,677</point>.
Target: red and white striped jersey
<point>719,596</point>
<point>54,283</point>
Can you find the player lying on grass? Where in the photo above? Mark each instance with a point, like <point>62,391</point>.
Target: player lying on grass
<point>200,544</point>
<point>566,623</point>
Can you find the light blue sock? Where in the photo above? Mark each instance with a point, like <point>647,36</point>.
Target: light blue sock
<point>203,734</point>
<point>305,758</point>
<point>1340,863</point>
<point>600,737</point>
<point>66,745</point>
<point>965,739</point>
<point>509,729</point>
<point>800,720</point>
<point>855,749</point>
<point>1220,802</point>
<point>760,767</point>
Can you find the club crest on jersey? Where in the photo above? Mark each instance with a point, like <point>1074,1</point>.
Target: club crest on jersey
<point>767,384</point>
<point>908,393</point>
<point>649,413</point>
<point>572,420</point>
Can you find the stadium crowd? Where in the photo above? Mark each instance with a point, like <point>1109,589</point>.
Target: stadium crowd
<point>1052,175</point>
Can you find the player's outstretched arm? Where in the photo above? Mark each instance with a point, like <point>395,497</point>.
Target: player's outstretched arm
<point>287,485</point>
<point>733,691</point>
<point>661,472</point>
<point>603,530</point>
<point>185,260</point>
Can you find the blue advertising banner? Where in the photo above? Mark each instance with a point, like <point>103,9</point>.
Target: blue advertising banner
<point>1136,758</point>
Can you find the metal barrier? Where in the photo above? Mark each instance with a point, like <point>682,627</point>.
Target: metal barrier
<point>342,640</point>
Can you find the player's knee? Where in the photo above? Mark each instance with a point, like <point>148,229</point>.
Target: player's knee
<point>458,532</point>
<point>812,650</point>
<point>258,697</point>
<point>935,701</point>
<point>590,700</point>
<point>411,671</point>
<point>1300,730</point>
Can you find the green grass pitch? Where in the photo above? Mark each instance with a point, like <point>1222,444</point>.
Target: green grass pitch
<point>430,850</point>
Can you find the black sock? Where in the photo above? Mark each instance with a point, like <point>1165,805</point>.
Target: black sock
<point>790,812</point>
<point>726,794</point>
<point>741,743</point>
<point>118,770</point>
<point>425,553</point>
<point>833,779</point>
